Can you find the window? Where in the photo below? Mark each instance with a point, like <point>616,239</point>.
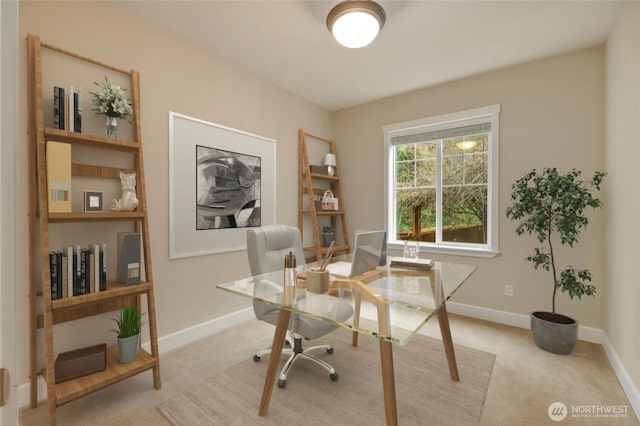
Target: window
<point>442,182</point>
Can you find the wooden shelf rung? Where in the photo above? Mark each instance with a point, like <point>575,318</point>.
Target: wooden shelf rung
<point>96,217</point>
<point>114,290</point>
<point>74,312</point>
<point>114,372</point>
<point>324,177</point>
<point>97,171</point>
<point>336,248</point>
<point>84,58</point>
<point>93,141</point>
<point>329,212</point>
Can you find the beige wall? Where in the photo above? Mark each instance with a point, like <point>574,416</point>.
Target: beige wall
<point>622,315</point>
<point>552,115</point>
<point>175,76</point>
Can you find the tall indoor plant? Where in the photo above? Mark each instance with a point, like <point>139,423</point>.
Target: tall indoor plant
<point>549,205</point>
<point>128,323</point>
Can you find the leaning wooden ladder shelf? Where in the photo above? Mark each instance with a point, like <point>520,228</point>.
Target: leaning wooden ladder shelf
<point>313,185</point>
<point>116,296</point>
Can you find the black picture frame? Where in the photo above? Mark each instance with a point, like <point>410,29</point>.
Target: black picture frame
<point>92,201</point>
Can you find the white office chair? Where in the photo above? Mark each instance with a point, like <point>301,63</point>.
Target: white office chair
<point>267,247</point>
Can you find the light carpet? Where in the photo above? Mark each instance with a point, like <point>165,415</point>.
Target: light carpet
<point>425,393</point>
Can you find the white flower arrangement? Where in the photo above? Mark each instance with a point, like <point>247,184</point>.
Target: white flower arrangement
<point>110,101</point>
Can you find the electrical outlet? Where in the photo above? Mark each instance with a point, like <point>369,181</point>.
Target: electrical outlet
<point>508,290</point>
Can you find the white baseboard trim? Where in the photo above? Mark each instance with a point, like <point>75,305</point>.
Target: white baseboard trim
<point>588,334</point>
<point>165,344</point>
<point>191,334</point>
<point>200,331</point>
<point>629,388</point>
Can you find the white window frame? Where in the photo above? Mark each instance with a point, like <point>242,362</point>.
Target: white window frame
<point>491,114</point>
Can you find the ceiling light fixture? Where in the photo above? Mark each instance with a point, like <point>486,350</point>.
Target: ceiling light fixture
<point>356,23</point>
<point>466,144</point>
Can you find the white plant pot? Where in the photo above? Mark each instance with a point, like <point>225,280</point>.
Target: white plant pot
<point>128,347</point>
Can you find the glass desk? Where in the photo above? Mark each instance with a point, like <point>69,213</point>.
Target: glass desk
<point>398,301</point>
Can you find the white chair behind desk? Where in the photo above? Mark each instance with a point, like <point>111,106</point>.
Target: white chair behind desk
<point>267,247</point>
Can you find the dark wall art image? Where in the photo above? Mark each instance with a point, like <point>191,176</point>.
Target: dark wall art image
<point>221,181</point>
<point>227,189</point>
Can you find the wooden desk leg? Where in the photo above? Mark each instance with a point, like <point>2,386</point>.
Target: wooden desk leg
<point>274,359</point>
<point>443,320</point>
<point>388,383</point>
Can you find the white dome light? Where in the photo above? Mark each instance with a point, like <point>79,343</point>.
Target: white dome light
<point>356,23</point>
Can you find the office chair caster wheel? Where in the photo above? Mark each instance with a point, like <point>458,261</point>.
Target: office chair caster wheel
<point>329,350</point>
<point>334,376</point>
<point>282,383</point>
<point>256,358</point>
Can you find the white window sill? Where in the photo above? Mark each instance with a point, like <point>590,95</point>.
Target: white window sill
<point>448,250</point>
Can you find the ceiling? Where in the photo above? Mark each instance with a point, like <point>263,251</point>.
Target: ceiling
<point>422,43</point>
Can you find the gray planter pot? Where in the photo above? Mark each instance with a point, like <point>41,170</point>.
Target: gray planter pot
<point>128,347</point>
<point>554,332</point>
<point>327,238</point>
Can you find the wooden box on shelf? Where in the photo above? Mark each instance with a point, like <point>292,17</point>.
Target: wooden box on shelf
<point>320,170</point>
<point>81,362</point>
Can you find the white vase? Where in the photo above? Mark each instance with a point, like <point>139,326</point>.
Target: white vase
<point>112,127</point>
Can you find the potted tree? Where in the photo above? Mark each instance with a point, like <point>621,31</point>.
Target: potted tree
<point>128,322</point>
<point>327,234</point>
<point>549,205</point>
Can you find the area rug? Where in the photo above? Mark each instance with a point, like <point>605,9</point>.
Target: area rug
<point>425,393</point>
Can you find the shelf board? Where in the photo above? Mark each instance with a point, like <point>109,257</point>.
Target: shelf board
<point>114,372</point>
<point>114,290</point>
<point>95,217</point>
<point>97,171</point>
<point>114,298</point>
<point>93,141</point>
<point>329,212</point>
<point>324,177</point>
<point>336,248</point>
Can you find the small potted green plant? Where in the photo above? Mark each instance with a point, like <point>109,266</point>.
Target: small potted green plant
<point>550,205</point>
<point>128,323</point>
<point>327,234</point>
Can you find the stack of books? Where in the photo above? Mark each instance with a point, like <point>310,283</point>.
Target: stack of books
<point>407,263</point>
<point>76,271</point>
<point>67,109</point>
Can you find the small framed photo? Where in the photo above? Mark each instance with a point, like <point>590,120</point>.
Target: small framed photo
<point>92,201</point>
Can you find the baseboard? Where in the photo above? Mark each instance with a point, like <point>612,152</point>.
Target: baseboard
<point>189,335</point>
<point>588,334</point>
<point>200,331</point>
<point>165,344</point>
<point>628,386</point>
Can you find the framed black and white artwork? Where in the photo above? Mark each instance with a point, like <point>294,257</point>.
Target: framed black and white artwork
<point>221,181</point>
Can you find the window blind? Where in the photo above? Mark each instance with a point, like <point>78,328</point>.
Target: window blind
<point>439,131</point>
